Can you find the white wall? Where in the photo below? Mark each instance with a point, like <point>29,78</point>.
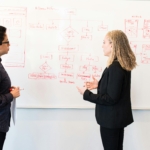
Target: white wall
<point>70,129</point>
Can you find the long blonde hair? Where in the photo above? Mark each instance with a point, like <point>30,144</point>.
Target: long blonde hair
<point>121,50</point>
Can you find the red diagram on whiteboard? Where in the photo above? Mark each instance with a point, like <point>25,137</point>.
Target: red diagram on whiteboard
<point>45,67</point>
<point>68,48</point>
<point>69,33</point>
<point>87,29</point>
<point>66,58</point>
<point>146,29</point>
<point>86,32</point>
<point>84,68</point>
<point>131,27</point>
<point>96,69</point>
<point>133,47</point>
<point>7,22</point>
<point>51,26</point>
<point>14,18</point>
<point>142,50</point>
<point>88,67</point>
<point>43,26</point>
<point>89,58</point>
<point>17,22</point>
<point>102,28</point>
<point>42,76</point>
<point>87,37</point>
<point>68,75</point>
<point>83,76</point>
<point>46,56</point>
<point>66,66</point>
<point>70,11</point>
<point>145,55</point>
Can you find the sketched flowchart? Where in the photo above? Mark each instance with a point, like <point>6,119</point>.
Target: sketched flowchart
<point>72,31</point>
<point>14,18</point>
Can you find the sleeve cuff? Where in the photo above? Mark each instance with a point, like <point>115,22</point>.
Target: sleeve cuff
<point>9,97</point>
<point>86,95</point>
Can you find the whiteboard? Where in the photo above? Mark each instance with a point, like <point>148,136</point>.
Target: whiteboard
<point>57,45</point>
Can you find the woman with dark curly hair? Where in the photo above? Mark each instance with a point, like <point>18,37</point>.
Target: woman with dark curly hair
<point>6,95</point>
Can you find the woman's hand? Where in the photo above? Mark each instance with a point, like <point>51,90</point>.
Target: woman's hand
<point>81,90</point>
<point>92,85</point>
<point>15,91</point>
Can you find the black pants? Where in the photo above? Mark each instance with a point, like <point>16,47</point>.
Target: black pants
<point>112,139</point>
<point>2,139</point>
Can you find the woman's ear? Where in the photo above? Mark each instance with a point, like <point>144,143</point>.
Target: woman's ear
<point>111,46</point>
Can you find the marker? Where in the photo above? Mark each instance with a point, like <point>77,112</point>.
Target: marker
<point>13,89</point>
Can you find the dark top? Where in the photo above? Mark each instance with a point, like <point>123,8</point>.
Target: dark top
<point>113,103</point>
<point>5,99</point>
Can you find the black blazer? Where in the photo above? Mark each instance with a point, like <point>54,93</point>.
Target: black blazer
<point>5,99</point>
<point>113,104</point>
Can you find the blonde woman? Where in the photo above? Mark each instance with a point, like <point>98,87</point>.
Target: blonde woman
<point>113,103</point>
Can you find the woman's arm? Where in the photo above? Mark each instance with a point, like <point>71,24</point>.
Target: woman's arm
<point>113,90</point>
<point>5,99</point>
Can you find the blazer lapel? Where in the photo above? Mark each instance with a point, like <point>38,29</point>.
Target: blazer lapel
<point>102,76</point>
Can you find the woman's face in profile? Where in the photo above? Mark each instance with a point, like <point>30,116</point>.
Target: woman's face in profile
<point>107,46</point>
<point>4,48</point>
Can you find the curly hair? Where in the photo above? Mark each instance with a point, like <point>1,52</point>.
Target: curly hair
<point>121,50</point>
<point>2,34</point>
